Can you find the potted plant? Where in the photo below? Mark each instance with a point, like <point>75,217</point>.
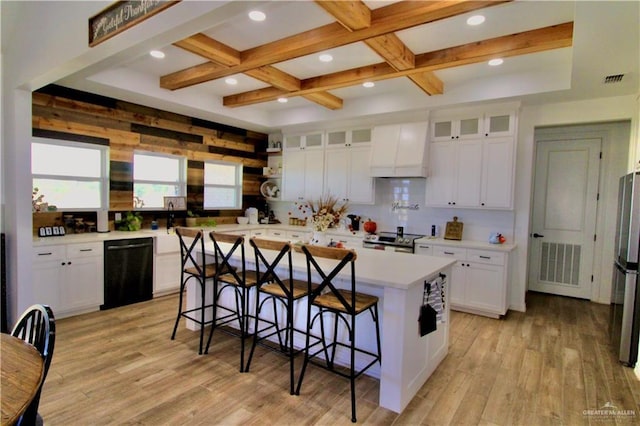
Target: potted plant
<point>192,218</point>
<point>132,221</point>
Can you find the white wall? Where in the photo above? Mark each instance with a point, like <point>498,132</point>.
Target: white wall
<point>40,44</point>
<point>565,113</point>
<point>478,224</point>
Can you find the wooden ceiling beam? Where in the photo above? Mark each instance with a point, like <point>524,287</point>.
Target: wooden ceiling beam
<point>428,82</point>
<point>221,54</point>
<point>385,20</point>
<point>325,99</point>
<point>275,77</point>
<point>539,40</point>
<point>205,46</point>
<point>353,15</point>
<point>393,50</point>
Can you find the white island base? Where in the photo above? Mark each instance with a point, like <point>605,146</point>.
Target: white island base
<point>398,279</point>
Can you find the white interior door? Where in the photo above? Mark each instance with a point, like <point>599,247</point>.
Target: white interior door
<point>564,216</point>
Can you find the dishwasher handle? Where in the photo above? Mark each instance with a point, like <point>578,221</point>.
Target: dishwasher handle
<point>129,246</point>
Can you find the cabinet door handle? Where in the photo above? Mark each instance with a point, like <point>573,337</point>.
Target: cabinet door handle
<point>86,249</point>
<point>424,247</point>
<point>485,257</point>
<point>45,254</point>
<point>449,253</point>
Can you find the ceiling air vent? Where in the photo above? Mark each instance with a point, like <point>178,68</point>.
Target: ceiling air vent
<point>614,78</point>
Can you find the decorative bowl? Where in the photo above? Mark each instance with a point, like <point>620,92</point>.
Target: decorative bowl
<point>242,220</point>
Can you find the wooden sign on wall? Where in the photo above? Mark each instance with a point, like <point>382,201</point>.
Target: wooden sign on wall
<point>123,15</point>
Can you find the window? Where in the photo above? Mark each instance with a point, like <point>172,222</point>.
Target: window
<point>71,175</point>
<point>156,176</point>
<point>222,185</point>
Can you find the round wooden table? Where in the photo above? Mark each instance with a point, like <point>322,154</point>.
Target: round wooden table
<point>22,369</point>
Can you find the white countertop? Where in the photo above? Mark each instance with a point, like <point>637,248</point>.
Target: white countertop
<point>387,268</point>
<point>467,244</point>
<point>120,235</point>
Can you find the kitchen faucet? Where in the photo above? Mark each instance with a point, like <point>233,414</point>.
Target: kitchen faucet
<point>170,217</point>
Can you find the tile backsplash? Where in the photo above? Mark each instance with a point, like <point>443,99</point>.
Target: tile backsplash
<point>401,202</point>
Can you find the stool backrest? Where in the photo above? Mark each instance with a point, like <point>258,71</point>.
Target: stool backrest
<point>266,268</point>
<point>189,249</point>
<point>341,258</point>
<point>222,258</point>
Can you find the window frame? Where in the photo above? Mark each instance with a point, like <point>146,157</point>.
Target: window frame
<point>182,171</point>
<point>103,180</point>
<point>239,171</point>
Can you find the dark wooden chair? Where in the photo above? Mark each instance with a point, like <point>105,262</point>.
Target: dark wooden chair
<point>37,326</point>
<point>195,269</point>
<point>276,285</point>
<point>343,306</point>
<point>240,281</point>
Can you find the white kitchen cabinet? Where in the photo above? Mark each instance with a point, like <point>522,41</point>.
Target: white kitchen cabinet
<point>471,173</point>
<point>399,150</point>
<point>69,277</point>
<point>472,126</point>
<point>347,174</point>
<point>302,167</point>
<point>498,173</point>
<point>499,123</point>
<point>166,264</point>
<point>347,163</point>
<point>295,236</point>
<point>279,234</point>
<point>446,129</point>
<point>478,282</point>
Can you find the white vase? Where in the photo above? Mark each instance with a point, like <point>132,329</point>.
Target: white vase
<point>319,238</point>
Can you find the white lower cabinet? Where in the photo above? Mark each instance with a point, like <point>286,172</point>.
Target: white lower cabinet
<point>478,282</point>
<point>167,264</point>
<point>69,277</point>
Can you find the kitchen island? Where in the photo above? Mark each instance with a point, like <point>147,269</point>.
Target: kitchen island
<point>398,279</point>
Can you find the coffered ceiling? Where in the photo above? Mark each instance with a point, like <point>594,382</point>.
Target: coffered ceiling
<point>419,55</point>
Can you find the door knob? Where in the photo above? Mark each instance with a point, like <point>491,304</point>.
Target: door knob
<point>536,235</point>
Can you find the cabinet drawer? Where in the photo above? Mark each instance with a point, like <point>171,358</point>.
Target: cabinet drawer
<point>275,233</point>
<point>424,249</point>
<point>85,250</point>
<point>453,252</point>
<point>295,236</point>
<point>45,254</point>
<point>484,256</point>
<point>259,233</point>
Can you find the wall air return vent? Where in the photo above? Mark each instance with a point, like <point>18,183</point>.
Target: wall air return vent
<point>613,78</point>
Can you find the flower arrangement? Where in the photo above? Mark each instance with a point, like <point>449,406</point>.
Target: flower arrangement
<point>37,204</point>
<point>325,212</point>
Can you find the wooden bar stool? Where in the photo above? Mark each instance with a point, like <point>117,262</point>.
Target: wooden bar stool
<point>281,289</point>
<point>194,268</point>
<point>239,281</point>
<point>344,306</point>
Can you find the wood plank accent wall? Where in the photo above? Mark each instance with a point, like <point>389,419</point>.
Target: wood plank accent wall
<point>68,114</point>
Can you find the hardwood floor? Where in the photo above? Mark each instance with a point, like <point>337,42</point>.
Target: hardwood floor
<point>544,367</point>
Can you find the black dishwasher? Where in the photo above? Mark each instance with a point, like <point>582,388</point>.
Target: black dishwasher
<point>128,271</point>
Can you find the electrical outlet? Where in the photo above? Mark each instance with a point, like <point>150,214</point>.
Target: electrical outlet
<point>118,217</point>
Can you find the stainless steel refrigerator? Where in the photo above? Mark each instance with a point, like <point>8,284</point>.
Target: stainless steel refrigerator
<point>625,291</point>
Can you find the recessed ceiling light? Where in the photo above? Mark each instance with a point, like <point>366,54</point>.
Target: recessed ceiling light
<point>368,84</point>
<point>325,57</point>
<point>157,54</point>
<point>475,20</point>
<point>496,62</point>
<point>231,81</point>
<point>256,15</point>
<point>283,100</point>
